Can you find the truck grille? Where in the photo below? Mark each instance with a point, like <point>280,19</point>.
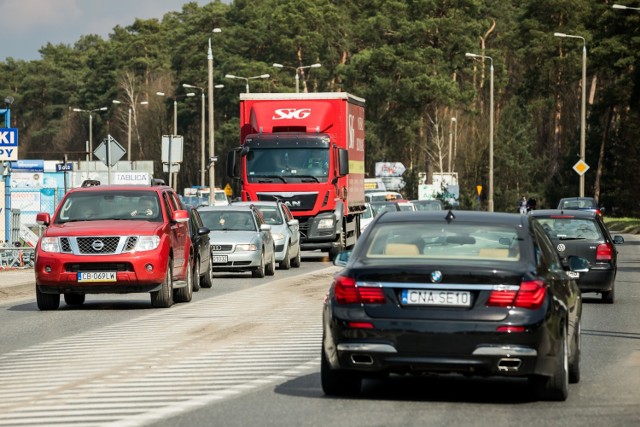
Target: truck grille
<point>98,245</point>
<point>295,201</point>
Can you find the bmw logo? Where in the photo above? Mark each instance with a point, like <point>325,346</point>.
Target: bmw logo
<point>97,245</point>
<point>436,276</point>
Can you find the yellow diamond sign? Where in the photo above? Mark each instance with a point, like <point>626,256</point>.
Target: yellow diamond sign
<point>581,167</point>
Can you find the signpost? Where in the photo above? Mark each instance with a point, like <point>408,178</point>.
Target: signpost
<point>172,154</point>
<point>109,152</point>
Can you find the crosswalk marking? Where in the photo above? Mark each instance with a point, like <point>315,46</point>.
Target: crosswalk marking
<point>170,361</point>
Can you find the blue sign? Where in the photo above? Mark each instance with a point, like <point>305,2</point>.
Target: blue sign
<point>28,166</point>
<point>8,144</point>
<point>63,167</point>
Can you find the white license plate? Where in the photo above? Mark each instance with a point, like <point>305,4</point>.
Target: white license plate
<point>96,276</point>
<point>219,259</point>
<point>573,274</point>
<point>431,297</point>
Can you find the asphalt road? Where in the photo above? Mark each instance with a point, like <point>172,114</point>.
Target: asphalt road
<point>246,353</point>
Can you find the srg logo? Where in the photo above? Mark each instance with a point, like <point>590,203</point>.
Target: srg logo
<point>291,113</point>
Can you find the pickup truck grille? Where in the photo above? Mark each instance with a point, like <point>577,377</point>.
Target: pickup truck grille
<point>98,245</point>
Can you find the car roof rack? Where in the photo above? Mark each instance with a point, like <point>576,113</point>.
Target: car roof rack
<point>90,183</point>
<point>157,181</point>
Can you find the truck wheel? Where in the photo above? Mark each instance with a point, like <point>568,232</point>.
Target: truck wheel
<point>285,264</point>
<point>196,275</point>
<point>270,269</point>
<point>74,299</point>
<point>259,272</point>
<point>47,302</point>
<point>207,278</point>
<point>164,297</point>
<point>185,293</point>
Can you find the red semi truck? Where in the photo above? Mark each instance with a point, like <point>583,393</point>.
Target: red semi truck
<point>306,149</point>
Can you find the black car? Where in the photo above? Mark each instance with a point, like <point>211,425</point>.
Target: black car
<point>202,267</point>
<point>581,204</point>
<point>583,233</point>
<point>473,293</point>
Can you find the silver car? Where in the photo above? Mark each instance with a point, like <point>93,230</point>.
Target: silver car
<point>284,228</point>
<point>240,239</point>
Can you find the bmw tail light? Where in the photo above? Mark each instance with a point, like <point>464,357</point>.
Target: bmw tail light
<point>530,295</point>
<point>347,292</point>
<point>604,252</point>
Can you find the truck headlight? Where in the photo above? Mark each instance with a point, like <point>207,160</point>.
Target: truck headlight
<point>325,223</point>
<point>245,247</point>
<point>50,244</point>
<point>147,243</point>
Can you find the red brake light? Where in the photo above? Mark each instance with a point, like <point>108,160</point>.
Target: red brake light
<point>530,295</point>
<point>347,292</point>
<point>604,252</point>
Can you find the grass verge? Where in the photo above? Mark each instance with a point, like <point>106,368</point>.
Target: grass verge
<point>623,225</point>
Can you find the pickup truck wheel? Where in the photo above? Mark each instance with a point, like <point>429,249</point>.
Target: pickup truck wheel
<point>207,278</point>
<point>185,293</point>
<point>259,272</point>
<point>285,264</point>
<point>47,302</point>
<point>270,269</point>
<point>74,299</point>
<point>164,297</point>
<point>196,275</point>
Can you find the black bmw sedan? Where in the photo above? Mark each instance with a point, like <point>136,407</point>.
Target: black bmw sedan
<point>473,293</point>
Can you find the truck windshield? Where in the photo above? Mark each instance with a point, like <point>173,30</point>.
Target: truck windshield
<point>292,164</point>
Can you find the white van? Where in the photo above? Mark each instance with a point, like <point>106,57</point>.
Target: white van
<point>374,184</point>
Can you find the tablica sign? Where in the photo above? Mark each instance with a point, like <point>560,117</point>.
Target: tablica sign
<point>131,178</point>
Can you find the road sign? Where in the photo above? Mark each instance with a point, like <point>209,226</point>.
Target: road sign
<point>8,144</point>
<point>580,167</point>
<point>64,167</point>
<point>175,142</point>
<point>228,191</point>
<point>109,151</point>
<point>389,169</point>
<point>479,189</point>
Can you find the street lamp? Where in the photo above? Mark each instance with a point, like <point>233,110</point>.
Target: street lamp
<point>620,6</point>
<point>80,110</point>
<point>483,57</point>
<point>246,79</point>
<point>175,127</point>
<point>115,101</point>
<point>298,71</point>
<point>583,105</point>
<point>202,126</point>
<point>453,120</point>
<point>212,175</point>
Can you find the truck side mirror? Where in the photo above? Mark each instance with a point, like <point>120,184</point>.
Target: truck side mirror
<point>231,163</point>
<point>343,162</point>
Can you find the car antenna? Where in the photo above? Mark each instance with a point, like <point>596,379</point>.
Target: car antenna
<point>450,216</point>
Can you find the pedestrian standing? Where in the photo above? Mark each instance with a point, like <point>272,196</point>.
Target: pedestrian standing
<point>523,205</point>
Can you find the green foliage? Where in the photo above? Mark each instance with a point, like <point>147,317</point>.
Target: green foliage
<point>406,58</point>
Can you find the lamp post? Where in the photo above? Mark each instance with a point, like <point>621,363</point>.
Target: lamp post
<point>202,130</point>
<point>212,175</point>
<point>483,57</point>
<point>175,128</point>
<point>583,104</point>
<point>620,6</point>
<point>298,70</point>
<point>115,101</point>
<point>246,79</point>
<point>453,120</point>
<point>80,110</point>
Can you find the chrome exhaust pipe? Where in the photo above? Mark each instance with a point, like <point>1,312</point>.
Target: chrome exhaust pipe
<point>361,359</point>
<point>509,364</point>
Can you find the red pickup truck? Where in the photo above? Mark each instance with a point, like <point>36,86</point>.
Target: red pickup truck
<point>115,239</point>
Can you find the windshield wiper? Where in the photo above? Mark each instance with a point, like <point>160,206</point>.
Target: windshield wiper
<point>570,238</point>
<point>307,177</point>
<point>270,176</point>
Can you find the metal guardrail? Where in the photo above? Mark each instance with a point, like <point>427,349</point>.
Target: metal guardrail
<point>18,257</point>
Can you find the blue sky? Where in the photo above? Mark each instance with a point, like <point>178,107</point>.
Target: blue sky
<point>27,25</point>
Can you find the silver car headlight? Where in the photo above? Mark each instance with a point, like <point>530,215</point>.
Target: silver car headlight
<point>325,223</point>
<point>147,243</point>
<point>50,244</point>
<point>247,247</point>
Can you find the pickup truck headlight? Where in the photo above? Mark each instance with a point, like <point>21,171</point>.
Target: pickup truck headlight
<point>325,223</point>
<point>245,247</point>
<point>147,243</point>
<point>50,244</point>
